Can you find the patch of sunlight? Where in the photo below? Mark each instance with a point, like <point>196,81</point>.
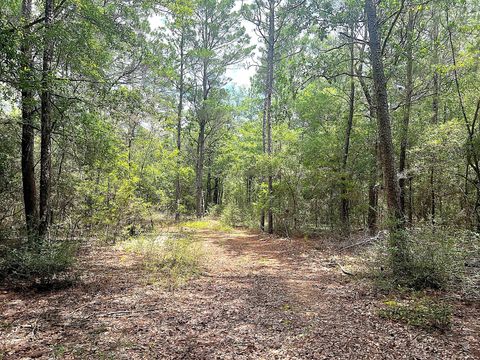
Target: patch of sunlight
<point>265,261</point>
<point>168,261</point>
<point>421,311</point>
<point>244,260</point>
<point>207,225</point>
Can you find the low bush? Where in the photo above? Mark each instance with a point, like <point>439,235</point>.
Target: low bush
<point>423,312</point>
<point>435,258</point>
<point>38,262</point>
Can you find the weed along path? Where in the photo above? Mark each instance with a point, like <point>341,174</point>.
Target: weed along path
<point>248,297</point>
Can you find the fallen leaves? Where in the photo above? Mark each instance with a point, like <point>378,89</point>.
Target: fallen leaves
<point>259,298</point>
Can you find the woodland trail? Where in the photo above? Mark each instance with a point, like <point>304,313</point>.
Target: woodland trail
<point>260,298</point>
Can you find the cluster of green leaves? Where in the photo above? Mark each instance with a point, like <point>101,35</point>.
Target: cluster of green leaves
<point>41,263</point>
<point>422,311</point>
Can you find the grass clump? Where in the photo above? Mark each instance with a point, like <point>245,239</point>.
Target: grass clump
<point>42,263</point>
<point>207,225</point>
<point>170,261</point>
<point>423,312</point>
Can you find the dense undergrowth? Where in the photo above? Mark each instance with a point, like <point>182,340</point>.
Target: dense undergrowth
<point>42,263</point>
<point>441,266</point>
<point>437,258</point>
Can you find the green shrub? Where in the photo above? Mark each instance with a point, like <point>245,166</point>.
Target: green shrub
<point>421,312</point>
<point>435,258</point>
<point>42,262</point>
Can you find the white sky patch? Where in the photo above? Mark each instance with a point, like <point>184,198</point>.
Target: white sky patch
<point>239,74</point>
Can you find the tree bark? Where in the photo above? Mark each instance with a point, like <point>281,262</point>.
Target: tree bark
<point>407,111</point>
<point>268,104</point>
<point>345,203</point>
<point>199,172</point>
<point>46,123</point>
<point>396,219</point>
<point>216,191</point>
<point>208,197</point>
<point>372,214</point>
<point>28,135</point>
<point>178,189</point>
<point>435,114</point>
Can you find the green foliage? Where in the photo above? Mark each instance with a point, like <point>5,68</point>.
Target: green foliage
<point>41,262</point>
<point>435,258</point>
<point>9,177</point>
<point>423,312</point>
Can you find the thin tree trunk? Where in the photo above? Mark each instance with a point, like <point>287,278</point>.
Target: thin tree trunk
<point>407,111</point>
<point>268,105</point>
<point>216,191</point>
<point>435,111</point>
<point>345,203</point>
<point>46,124</point>
<point>178,189</point>
<point>264,150</point>
<point>199,172</point>
<point>28,135</point>
<point>472,157</point>
<point>208,197</point>
<point>396,218</point>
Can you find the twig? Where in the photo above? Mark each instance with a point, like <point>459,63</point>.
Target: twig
<point>343,270</point>
<point>372,239</point>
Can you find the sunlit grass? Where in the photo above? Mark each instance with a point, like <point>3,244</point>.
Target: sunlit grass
<point>420,311</point>
<point>168,261</point>
<point>213,225</point>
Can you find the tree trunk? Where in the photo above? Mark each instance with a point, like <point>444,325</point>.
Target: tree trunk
<point>407,111</point>
<point>372,214</point>
<point>396,218</point>
<point>216,191</point>
<point>345,203</point>
<point>473,160</point>
<point>46,124</point>
<point>199,172</point>
<point>179,125</point>
<point>268,105</point>
<point>208,197</point>
<point>435,111</point>
<point>201,135</point>
<point>28,135</point>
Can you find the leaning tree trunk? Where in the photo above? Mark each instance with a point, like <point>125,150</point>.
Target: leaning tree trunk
<point>46,123</point>
<point>396,218</point>
<point>28,135</point>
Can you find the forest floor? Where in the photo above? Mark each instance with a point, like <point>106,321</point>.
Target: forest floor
<point>258,297</point>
